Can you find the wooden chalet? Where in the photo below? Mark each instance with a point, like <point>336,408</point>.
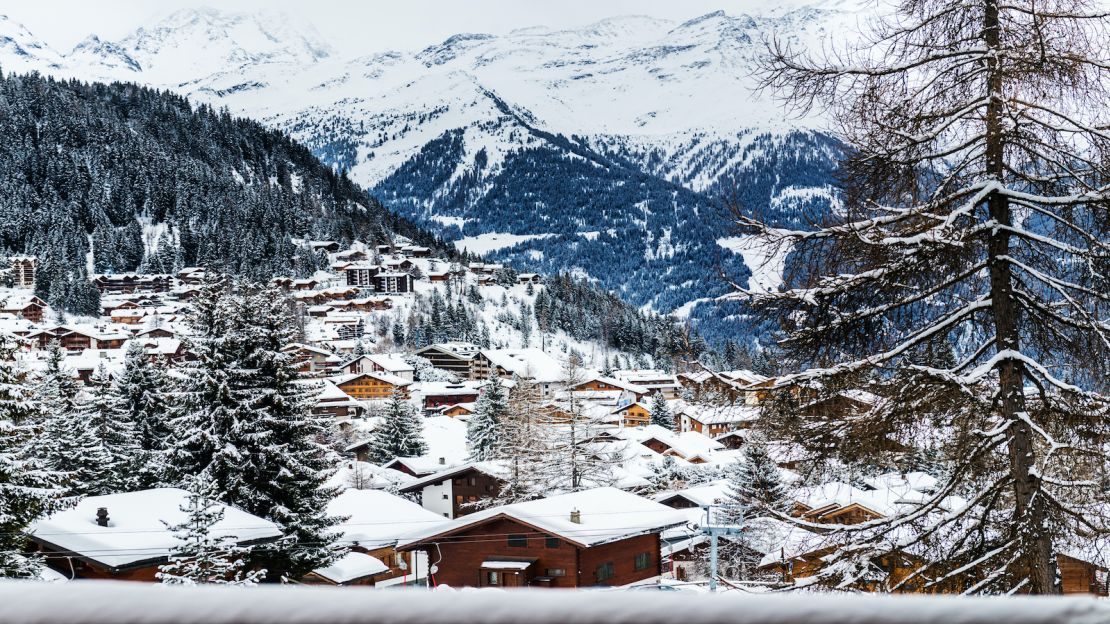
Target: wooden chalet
<point>600,537</point>
<point>312,360</point>
<point>371,385</point>
<point>633,415</point>
<point>23,271</point>
<point>27,307</point>
<point>133,282</point>
<point>458,491</point>
<point>126,536</point>
<point>438,395</point>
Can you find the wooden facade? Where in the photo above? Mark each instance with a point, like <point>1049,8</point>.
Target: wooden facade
<point>370,386</point>
<point>525,556</point>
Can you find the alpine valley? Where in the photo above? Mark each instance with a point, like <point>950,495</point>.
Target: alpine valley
<point>613,151</point>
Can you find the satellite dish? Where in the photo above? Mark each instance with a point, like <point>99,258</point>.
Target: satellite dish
<point>402,565</point>
<point>433,569</point>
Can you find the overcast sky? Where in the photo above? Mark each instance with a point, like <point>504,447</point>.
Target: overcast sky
<point>354,26</point>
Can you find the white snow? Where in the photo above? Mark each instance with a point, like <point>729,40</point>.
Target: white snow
<point>352,566</point>
<point>765,259</point>
<point>492,241</point>
<point>377,518</point>
<point>137,528</point>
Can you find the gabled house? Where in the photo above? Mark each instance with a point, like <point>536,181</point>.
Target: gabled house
<point>371,385</point>
<point>454,357</point>
<point>599,537</point>
<point>532,365</point>
<point>312,360</point>
<point>458,490</point>
<point>126,536</point>
<point>392,363</point>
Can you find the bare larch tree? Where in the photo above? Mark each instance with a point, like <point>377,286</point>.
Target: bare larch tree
<point>963,281</point>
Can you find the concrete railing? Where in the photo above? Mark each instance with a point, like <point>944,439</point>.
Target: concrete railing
<point>83,602</point>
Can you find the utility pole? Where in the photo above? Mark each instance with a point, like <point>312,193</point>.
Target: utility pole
<point>715,531</point>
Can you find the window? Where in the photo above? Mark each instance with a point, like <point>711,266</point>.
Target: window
<point>552,542</point>
<point>444,497</point>
<point>555,572</point>
<point>604,572</point>
<point>518,541</point>
<point>472,481</point>
<point>492,578</point>
<point>643,561</point>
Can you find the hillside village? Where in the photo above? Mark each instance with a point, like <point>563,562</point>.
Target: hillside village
<point>657,456</point>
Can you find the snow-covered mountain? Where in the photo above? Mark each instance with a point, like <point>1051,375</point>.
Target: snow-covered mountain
<point>605,149</point>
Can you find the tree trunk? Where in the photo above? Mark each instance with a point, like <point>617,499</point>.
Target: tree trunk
<point>1029,509</point>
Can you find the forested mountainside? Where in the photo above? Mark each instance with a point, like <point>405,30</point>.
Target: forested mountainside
<point>117,177</point>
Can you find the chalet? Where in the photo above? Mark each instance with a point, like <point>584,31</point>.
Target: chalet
<point>326,246</point>
<point>191,275</point>
<point>450,356</point>
<point>532,365</point>
<point>156,332</point>
<point>484,268</point>
<point>691,445</point>
<point>437,277</point>
<point>458,490</point>
<point>364,304</point>
<point>27,307</point>
<point>460,409</point>
<point>371,385</point>
<point>715,420</point>
<point>133,282</point>
<point>653,380</point>
<point>371,530</point>
<point>312,360</point>
<point>440,394</point>
<point>528,278</point>
<point>23,271</point>
<point>352,255</point>
<point>416,251</point>
<point>600,537</point>
<point>609,391</point>
<point>333,402</point>
<point>732,439</point>
<point>392,363</point>
<point>417,467</point>
<point>74,338</point>
<point>633,415</point>
<point>398,265</point>
<point>694,497</point>
<point>126,536</point>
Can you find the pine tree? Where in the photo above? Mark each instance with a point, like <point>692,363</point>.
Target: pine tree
<point>66,442</point>
<point>28,488</point>
<point>399,434</point>
<point>111,424</point>
<point>139,392</point>
<point>660,413</point>
<point>485,434</point>
<point>199,556</point>
<point>755,485</point>
<point>244,421</point>
<point>974,215</point>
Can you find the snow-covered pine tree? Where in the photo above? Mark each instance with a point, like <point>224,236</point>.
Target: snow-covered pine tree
<point>139,390</point>
<point>754,485</point>
<point>399,434</point>
<point>974,215</point>
<point>243,420</point>
<point>485,434</point>
<point>660,413</point>
<point>28,488</point>
<point>110,422</point>
<point>65,441</point>
<point>199,556</point>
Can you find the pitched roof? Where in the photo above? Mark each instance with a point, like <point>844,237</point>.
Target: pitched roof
<point>137,531</point>
<point>607,514</point>
<point>375,517</point>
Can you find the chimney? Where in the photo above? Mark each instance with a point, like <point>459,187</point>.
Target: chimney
<point>102,516</point>
<point>576,516</point>
<point>442,461</point>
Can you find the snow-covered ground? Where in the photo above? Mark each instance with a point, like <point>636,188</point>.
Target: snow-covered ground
<point>492,241</point>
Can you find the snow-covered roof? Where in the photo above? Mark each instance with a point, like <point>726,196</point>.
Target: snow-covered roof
<point>392,380</point>
<point>606,515</point>
<point>708,494</point>
<point>351,567</point>
<point>137,527</point>
<point>718,414</point>
<point>496,469</point>
<point>376,518</point>
<point>364,475</point>
<point>391,362</point>
<point>532,364</point>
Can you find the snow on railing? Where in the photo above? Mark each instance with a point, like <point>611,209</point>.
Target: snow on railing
<point>82,602</point>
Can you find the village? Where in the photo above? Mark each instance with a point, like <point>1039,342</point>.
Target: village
<point>664,448</point>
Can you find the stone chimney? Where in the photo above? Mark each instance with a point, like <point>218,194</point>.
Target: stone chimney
<point>102,516</point>
<point>576,516</point>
